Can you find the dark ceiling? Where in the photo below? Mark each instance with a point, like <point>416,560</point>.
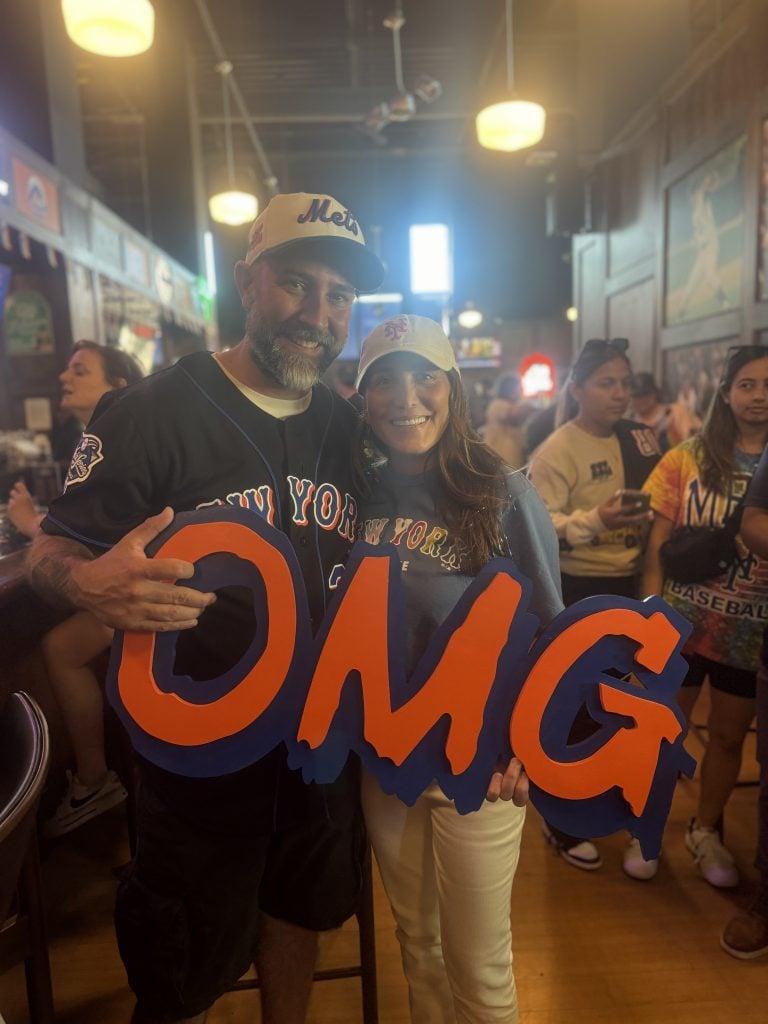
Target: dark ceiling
<point>308,73</point>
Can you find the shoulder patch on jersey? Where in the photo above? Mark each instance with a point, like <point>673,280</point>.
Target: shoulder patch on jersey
<point>87,455</point>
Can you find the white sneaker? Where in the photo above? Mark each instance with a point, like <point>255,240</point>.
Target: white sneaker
<point>81,803</point>
<point>715,862</point>
<point>635,865</point>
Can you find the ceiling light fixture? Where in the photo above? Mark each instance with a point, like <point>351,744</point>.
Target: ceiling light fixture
<point>512,124</point>
<point>111,28</point>
<point>232,205</point>
<point>470,317</point>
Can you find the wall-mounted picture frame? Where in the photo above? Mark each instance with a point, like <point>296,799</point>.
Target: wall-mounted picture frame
<point>692,373</point>
<point>704,252</point>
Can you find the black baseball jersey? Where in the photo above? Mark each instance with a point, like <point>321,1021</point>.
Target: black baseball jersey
<point>188,438</point>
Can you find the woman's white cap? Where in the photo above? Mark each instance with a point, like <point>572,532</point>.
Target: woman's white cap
<point>407,333</point>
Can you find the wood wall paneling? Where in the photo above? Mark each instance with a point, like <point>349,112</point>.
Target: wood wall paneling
<point>589,286</point>
<point>633,203</point>
<point>718,98</point>
<point>632,314</point>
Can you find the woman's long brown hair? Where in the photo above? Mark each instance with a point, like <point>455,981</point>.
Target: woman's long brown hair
<point>717,439</point>
<point>470,490</point>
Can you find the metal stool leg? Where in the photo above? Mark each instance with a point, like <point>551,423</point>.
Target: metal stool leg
<point>366,969</point>
<point>365,922</point>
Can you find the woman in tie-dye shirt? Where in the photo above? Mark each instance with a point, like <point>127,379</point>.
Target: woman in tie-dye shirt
<point>699,483</point>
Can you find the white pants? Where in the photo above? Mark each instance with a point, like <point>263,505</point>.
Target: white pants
<point>449,878</point>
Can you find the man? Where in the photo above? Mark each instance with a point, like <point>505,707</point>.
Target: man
<point>647,408</point>
<point>250,427</point>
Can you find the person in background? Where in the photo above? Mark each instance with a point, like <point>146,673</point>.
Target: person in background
<point>251,864</point>
<point>699,483</point>
<point>746,934</point>
<point>448,876</point>
<point>504,419</point>
<point>68,649</point>
<point>91,372</point>
<point>647,407</point>
<point>583,472</point>
<point>684,420</point>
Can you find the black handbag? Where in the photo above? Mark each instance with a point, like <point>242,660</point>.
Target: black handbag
<point>696,553</point>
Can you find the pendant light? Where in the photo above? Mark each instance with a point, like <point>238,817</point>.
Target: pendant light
<point>511,124</point>
<point>112,28</point>
<point>231,205</point>
<point>470,317</point>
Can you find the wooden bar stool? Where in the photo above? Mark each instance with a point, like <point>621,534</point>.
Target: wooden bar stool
<point>365,970</point>
<point>24,758</point>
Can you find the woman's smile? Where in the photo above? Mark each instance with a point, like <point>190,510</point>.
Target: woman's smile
<point>406,407</point>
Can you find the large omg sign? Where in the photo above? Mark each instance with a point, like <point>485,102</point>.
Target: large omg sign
<point>489,684</point>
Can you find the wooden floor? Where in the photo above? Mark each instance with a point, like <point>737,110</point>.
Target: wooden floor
<point>590,948</point>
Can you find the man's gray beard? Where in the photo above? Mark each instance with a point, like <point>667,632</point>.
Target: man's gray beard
<point>290,369</point>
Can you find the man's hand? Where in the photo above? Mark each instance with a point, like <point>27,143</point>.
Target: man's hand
<point>123,588</point>
<point>510,783</point>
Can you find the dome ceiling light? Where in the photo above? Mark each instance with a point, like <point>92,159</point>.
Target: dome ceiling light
<point>233,205</point>
<point>111,28</point>
<point>513,123</point>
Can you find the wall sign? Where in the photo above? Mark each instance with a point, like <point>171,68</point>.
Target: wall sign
<point>346,689</point>
<point>36,196</point>
<point>28,324</point>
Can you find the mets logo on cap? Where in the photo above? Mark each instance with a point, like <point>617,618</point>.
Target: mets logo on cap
<point>320,210</point>
<point>87,455</point>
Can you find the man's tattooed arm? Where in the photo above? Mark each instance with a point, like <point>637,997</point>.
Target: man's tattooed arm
<point>50,562</point>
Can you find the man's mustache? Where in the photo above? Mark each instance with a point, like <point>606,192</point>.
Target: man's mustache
<point>300,332</point>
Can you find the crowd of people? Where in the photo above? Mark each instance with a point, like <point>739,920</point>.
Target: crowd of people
<point>251,866</point>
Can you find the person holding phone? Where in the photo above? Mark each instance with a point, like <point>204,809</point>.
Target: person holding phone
<point>700,483</point>
<point>589,473</point>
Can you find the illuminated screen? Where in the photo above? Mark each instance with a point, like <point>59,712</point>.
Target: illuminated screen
<point>478,352</point>
<point>367,313</point>
<point>431,263</point>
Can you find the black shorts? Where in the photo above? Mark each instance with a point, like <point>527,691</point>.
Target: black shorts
<point>187,913</point>
<point>739,682</point>
<point>576,588</point>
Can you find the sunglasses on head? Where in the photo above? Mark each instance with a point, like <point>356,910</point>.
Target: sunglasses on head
<point>619,345</point>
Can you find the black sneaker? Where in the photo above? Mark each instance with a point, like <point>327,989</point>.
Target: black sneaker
<point>581,853</point>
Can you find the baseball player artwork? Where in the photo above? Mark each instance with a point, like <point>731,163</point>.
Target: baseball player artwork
<point>347,690</point>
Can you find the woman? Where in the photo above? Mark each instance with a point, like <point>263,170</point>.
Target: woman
<point>699,483</point>
<point>93,371</point>
<point>588,473</point>
<point>448,876</point>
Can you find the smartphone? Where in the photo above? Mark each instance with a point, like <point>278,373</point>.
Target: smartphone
<point>635,501</point>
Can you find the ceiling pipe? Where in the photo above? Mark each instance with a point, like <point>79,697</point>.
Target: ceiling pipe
<point>270,179</point>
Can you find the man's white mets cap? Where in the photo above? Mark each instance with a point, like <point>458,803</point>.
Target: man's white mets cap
<point>407,333</point>
<point>324,227</point>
